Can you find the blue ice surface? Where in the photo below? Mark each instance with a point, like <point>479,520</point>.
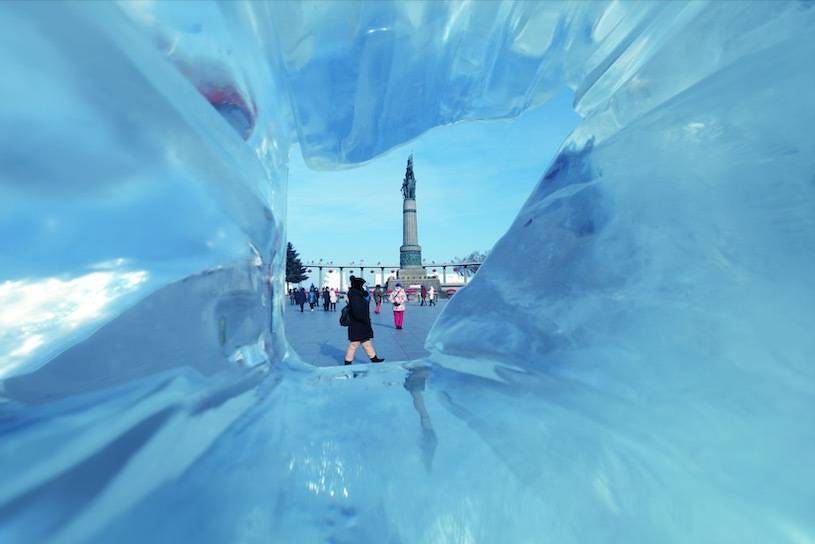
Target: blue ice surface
<point>659,387</point>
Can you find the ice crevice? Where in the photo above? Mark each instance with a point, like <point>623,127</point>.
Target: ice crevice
<point>659,388</point>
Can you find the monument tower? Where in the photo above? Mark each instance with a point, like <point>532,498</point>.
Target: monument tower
<point>410,254</point>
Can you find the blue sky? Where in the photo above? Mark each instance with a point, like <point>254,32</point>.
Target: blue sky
<point>472,179</point>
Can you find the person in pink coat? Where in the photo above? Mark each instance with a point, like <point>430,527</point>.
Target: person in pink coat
<point>398,299</point>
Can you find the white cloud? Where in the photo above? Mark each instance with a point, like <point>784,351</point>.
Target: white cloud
<point>36,312</point>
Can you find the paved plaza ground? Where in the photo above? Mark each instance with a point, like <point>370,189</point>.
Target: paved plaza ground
<point>319,339</point>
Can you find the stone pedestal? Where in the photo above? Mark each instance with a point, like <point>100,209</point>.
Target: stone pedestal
<point>413,277</point>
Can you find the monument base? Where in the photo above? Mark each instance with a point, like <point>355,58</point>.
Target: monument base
<point>411,274</point>
<point>415,278</point>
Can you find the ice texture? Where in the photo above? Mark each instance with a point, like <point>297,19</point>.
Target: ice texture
<point>648,379</point>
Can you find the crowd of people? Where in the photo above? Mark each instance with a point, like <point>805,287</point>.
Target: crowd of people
<point>313,296</point>
<point>327,297</point>
<point>358,298</point>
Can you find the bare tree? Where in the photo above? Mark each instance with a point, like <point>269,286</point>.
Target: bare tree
<point>474,261</point>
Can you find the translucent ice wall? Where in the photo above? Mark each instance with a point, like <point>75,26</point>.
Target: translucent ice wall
<point>651,381</point>
<point>139,229</point>
<point>666,333</point>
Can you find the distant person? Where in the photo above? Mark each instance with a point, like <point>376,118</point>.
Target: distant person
<point>431,296</point>
<point>398,299</point>
<point>326,297</point>
<point>312,298</point>
<point>300,297</point>
<point>423,294</point>
<point>360,330</point>
<point>332,298</point>
<point>291,297</point>
<point>378,298</point>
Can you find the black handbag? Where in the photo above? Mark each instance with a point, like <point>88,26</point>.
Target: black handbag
<point>345,317</point>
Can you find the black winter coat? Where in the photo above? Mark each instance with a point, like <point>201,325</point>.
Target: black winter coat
<point>360,328</point>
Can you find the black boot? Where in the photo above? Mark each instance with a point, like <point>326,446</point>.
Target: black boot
<point>347,362</point>
<point>376,359</point>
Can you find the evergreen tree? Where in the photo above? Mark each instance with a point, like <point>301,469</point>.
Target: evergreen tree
<point>295,271</point>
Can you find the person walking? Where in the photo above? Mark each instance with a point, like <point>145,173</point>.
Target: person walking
<point>300,297</point>
<point>378,298</point>
<point>360,331</point>
<point>398,299</point>
<point>332,298</point>
<point>423,294</point>
<point>431,296</point>
<point>312,298</point>
<point>325,299</point>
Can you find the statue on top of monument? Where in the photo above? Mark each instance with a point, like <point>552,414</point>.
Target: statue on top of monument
<point>409,183</point>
